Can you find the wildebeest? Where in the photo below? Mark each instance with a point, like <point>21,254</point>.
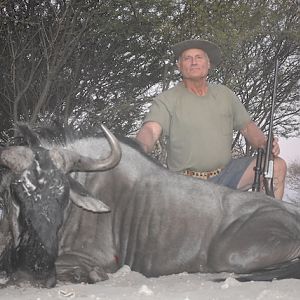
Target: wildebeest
<point>156,221</point>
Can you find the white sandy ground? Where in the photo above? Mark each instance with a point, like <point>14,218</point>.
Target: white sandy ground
<point>126,284</point>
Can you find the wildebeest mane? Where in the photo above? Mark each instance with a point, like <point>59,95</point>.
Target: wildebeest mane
<point>56,134</point>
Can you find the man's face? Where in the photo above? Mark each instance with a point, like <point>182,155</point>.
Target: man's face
<point>193,64</point>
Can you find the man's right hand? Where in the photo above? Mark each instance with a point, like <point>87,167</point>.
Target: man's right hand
<point>148,135</point>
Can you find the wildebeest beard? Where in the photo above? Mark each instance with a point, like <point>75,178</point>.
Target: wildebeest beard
<point>42,193</point>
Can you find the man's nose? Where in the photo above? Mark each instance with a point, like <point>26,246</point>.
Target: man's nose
<point>194,61</point>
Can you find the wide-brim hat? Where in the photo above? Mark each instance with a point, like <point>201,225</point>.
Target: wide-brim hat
<point>211,49</point>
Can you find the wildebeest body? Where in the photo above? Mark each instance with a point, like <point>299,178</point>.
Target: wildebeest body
<point>164,223</point>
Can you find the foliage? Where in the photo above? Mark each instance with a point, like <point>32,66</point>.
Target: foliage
<point>87,62</point>
<point>83,61</point>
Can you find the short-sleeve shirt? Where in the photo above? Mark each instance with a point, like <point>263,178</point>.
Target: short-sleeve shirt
<point>198,129</point>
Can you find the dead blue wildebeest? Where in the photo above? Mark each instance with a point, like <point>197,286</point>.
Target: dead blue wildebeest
<point>77,211</point>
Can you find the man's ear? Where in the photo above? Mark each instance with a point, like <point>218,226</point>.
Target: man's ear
<point>208,62</point>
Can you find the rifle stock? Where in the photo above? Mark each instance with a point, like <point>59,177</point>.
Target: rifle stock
<point>269,168</point>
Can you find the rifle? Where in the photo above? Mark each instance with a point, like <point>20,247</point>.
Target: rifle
<point>268,169</point>
<point>257,170</point>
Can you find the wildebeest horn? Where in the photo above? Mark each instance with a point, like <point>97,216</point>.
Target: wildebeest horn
<point>73,161</point>
<point>16,158</point>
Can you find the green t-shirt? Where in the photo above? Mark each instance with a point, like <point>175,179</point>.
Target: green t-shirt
<point>199,129</point>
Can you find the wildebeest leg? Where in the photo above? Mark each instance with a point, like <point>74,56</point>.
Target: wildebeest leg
<point>76,269</point>
<point>257,241</point>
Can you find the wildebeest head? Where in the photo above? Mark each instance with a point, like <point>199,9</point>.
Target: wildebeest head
<point>35,190</point>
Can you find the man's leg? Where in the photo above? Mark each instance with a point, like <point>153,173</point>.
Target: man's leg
<point>280,170</point>
<point>230,176</point>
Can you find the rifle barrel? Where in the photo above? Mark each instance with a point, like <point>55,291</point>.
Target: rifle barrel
<point>269,159</point>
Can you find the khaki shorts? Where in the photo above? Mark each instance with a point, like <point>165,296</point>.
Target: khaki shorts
<point>230,176</point>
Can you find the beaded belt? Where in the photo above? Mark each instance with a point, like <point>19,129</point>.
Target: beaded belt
<point>202,175</point>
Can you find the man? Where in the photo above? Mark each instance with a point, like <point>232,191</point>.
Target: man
<point>198,119</point>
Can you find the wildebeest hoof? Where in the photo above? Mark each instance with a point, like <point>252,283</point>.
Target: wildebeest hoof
<point>78,275</point>
<point>50,282</point>
<point>96,275</point>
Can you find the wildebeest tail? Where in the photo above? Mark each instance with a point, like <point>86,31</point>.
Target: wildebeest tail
<point>290,269</point>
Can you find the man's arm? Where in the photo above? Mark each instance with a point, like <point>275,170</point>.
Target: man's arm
<point>254,135</point>
<point>148,135</point>
<point>256,138</point>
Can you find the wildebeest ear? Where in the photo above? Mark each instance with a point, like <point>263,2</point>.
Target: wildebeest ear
<point>80,197</point>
